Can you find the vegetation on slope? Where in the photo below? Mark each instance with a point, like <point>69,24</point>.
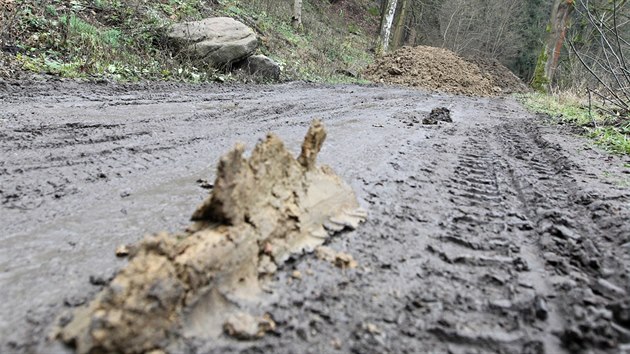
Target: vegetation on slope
<point>606,128</point>
<point>124,39</point>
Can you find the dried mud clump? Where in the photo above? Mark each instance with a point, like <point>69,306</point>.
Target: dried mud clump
<point>261,211</point>
<point>439,114</point>
<point>439,69</point>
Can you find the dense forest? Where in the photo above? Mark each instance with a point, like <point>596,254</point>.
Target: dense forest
<point>571,44</point>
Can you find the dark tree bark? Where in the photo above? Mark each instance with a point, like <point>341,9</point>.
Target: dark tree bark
<point>558,24</point>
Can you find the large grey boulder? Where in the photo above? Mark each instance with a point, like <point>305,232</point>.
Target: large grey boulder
<point>261,67</point>
<point>217,41</point>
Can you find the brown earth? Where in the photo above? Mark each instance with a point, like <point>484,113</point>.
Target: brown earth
<point>261,211</point>
<point>442,70</point>
<point>499,75</point>
<point>496,233</point>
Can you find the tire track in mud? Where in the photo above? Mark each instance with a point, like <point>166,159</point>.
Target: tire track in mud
<point>70,239</point>
<point>578,233</point>
<point>547,245</point>
<point>485,242</point>
<point>461,251</point>
<point>466,291</point>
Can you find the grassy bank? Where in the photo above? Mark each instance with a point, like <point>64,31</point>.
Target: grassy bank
<point>606,129</point>
<point>123,40</point>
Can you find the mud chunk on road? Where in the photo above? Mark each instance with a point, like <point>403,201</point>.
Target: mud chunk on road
<point>440,114</point>
<point>261,211</point>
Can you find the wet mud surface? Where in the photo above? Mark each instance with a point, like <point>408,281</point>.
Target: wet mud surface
<point>491,234</point>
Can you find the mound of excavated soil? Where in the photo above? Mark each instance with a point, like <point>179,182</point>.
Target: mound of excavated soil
<point>499,75</point>
<point>440,69</point>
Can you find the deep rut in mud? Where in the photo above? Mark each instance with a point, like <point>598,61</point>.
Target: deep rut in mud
<point>494,233</point>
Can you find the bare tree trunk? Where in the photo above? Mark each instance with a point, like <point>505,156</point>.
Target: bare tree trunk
<point>558,24</point>
<point>296,20</point>
<point>401,24</point>
<point>386,26</point>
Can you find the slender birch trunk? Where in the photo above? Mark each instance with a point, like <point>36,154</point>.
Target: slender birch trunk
<point>401,24</point>
<point>296,20</point>
<point>386,26</point>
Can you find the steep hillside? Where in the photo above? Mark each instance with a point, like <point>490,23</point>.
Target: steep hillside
<point>124,39</point>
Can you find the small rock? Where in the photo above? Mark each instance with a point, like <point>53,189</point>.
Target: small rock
<point>205,184</point>
<point>122,251</point>
<point>371,328</point>
<point>394,71</point>
<point>325,253</point>
<point>344,260</point>
<point>74,301</point>
<point>244,326</point>
<point>339,259</point>
<point>262,67</point>
<point>98,280</point>
<point>296,274</point>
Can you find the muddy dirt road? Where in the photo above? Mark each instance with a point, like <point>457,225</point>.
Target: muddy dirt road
<point>491,234</point>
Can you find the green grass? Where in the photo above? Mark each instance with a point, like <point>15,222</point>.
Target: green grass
<point>615,139</point>
<point>102,39</point>
<point>90,36</point>
<point>612,133</point>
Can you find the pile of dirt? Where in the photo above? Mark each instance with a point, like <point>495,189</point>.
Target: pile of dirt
<point>261,211</point>
<point>442,70</point>
<point>500,76</point>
